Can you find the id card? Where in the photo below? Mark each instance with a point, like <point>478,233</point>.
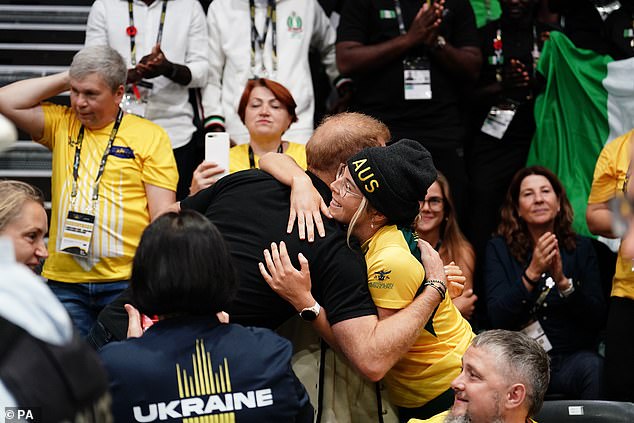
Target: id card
<point>78,230</point>
<point>132,105</point>
<point>535,331</point>
<point>135,99</point>
<point>417,79</point>
<point>498,120</point>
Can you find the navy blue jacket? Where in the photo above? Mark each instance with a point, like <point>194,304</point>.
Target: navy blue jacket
<point>569,323</point>
<point>189,367</point>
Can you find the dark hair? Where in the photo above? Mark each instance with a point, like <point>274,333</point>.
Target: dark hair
<point>281,93</point>
<point>182,266</point>
<point>513,228</point>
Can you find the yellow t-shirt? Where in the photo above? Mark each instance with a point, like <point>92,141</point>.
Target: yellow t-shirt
<point>607,183</point>
<point>239,156</point>
<point>435,359</point>
<point>141,153</point>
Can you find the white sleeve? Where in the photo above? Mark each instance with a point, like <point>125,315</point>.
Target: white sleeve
<point>197,47</point>
<point>97,25</point>
<point>323,39</point>
<point>212,93</point>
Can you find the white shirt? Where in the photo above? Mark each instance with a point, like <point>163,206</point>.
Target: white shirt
<point>301,24</point>
<point>184,42</point>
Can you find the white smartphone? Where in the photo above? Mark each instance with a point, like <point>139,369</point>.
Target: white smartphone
<point>217,150</point>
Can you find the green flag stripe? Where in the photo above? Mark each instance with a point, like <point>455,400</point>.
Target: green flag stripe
<point>572,120</point>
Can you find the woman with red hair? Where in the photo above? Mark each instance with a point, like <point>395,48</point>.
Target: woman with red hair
<point>267,109</point>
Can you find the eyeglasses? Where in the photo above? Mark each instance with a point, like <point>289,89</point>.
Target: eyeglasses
<point>345,187</point>
<point>434,203</point>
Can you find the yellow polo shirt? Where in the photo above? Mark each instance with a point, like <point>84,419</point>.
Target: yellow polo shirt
<point>141,153</point>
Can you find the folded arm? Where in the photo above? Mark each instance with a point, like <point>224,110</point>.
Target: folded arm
<point>20,101</point>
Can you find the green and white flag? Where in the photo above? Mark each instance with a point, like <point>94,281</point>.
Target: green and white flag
<point>588,101</point>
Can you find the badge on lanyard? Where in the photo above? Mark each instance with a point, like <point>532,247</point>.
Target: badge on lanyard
<point>79,227</point>
<point>499,119</point>
<point>535,331</point>
<point>135,99</point>
<point>417,78</point>
<point>78,230</point>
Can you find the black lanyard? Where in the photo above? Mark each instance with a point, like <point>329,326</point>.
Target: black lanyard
<point>132,29</point>
<point>271,18</point>
<point>280,150</point>
<point>546,288</point>
<point>399,17</point>
<point>498,50</point>
<point>631,32</point>
<point>104,158</point>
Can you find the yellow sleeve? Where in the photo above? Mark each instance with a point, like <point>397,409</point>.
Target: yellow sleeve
<point>610,170</point>
<point>56,125</point>
<point>394,276</point>
<point>159,165</point>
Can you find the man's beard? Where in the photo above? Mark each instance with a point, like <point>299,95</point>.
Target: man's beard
<point>466,419</point>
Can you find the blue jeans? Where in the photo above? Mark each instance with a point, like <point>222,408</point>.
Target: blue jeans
<point>84,301</point>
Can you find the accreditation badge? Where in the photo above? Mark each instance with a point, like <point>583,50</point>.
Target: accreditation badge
<point>417,78</point>
<point>499,119</point>
<point>77,234</point>
<point>535,331</point>
<point>135,99</point>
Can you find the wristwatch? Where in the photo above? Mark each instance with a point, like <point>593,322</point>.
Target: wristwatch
<point>310,313</point>
<point>440,43</point>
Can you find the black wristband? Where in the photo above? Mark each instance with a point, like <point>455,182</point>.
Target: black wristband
<point>529,280</point>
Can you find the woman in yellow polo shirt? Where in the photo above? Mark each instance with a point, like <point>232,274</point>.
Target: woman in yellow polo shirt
<point>267,109</point>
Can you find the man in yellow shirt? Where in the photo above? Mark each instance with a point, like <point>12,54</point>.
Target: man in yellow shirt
<point>112,173</point>
<point>504,377</point>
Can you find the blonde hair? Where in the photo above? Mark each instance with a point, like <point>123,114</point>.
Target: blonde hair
<point>363,207</point>
<point>13,196</point>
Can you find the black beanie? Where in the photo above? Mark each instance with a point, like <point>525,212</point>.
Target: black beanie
<point>394,178</point>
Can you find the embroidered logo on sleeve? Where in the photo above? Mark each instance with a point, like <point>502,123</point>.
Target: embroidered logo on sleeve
<point>379,280</point>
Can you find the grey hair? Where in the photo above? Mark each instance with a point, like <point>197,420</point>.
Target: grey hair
<point>522,360</point>
<point>13,195</point>
<point>102,60</point>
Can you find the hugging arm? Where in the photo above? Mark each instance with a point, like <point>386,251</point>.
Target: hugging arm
<point>373,346</point>
<point>306,202</point>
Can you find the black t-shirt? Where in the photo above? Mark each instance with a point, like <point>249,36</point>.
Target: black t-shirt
<point>380,92</point>
<point>585,28</point>
<point>250,209</point>
<point>517,43</point>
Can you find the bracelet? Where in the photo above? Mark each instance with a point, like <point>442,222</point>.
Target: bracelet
<point>566,292</point>
<point>529,280</point>
<point>438,285</point>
